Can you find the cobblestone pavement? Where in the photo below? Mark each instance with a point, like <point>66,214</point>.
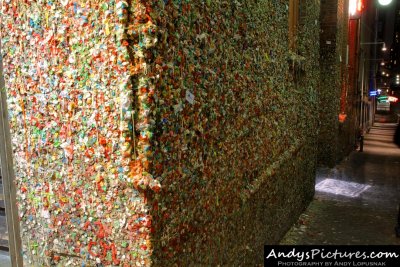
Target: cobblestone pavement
<point>356,203</point>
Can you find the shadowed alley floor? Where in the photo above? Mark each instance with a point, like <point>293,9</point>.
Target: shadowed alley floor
<point>356,203</point>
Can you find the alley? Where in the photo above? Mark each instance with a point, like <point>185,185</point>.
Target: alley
<point>358,200</point>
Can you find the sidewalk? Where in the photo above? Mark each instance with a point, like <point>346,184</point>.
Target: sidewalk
<point>355,203</point>
<point>5,259</point>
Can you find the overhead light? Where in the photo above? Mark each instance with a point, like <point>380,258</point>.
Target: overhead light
<point>383,73</point>
<point>384,2</point>
<point>387,74</point>
<point>382,63</point>
<point>384,47</point>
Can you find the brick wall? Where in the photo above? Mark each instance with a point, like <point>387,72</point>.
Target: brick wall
<point>329,92</point>
<point>336,139</point>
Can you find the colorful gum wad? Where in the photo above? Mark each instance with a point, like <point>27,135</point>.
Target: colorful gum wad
<point>109,100</point>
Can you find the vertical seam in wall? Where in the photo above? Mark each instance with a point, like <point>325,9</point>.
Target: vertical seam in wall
<point>135,20</point>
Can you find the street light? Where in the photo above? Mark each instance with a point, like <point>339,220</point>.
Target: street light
<point>373,43</point>
<point>384,2</point>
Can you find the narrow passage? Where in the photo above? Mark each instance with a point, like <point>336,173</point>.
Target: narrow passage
<point>355,203</point>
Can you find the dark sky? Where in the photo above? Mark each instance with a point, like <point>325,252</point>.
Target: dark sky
<point>386,21</point>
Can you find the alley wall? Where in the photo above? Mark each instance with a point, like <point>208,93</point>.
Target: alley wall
<point>336,95</point>
<point>159,132</point>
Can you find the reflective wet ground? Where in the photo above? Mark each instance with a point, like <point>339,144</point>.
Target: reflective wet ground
<point>356,203</point>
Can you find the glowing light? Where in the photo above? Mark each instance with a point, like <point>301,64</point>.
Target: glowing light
<point>337,187</point>
<point>352,7</point>
<point>384,2</point>
<point>393,99</point>
<point>383,98</point>
<point>360,5</point>
<point>356,6</point>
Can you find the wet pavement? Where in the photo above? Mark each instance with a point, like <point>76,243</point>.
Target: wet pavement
<point>355,203</point>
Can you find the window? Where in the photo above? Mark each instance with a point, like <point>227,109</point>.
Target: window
<point>293,23</point>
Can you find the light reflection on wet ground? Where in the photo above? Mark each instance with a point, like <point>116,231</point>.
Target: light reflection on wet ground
<point>341,188</point>
<point>365,218</point>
